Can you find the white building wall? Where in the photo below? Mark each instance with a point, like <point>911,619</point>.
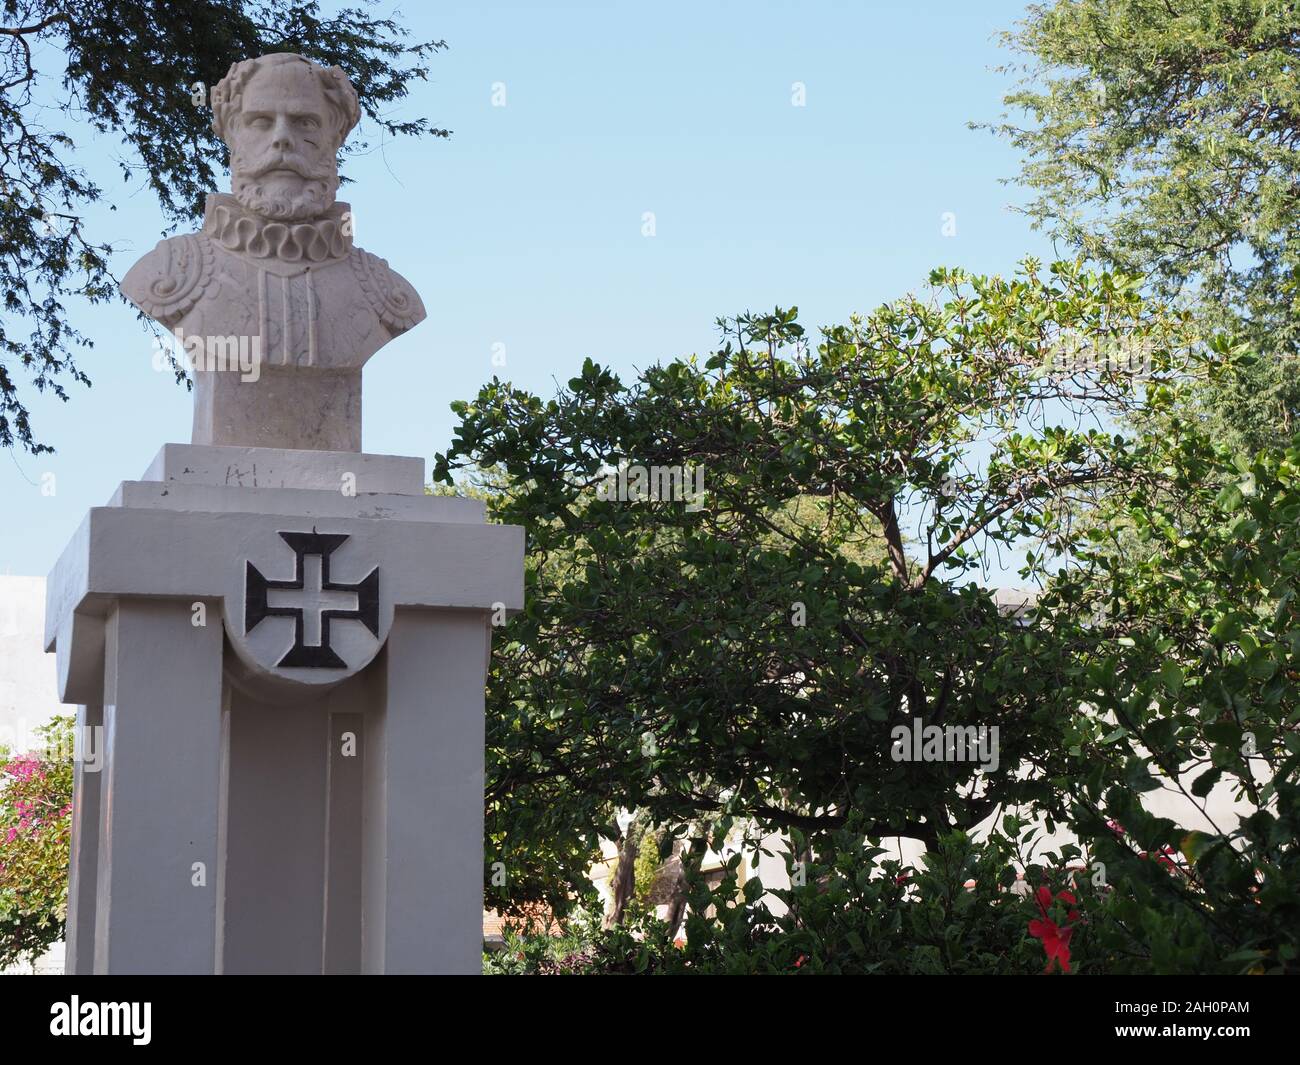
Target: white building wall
<point>28,685</point>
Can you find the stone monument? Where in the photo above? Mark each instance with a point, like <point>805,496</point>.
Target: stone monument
<point>278,643</point>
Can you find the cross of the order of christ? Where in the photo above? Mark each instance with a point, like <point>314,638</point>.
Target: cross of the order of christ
<point>312,600</point>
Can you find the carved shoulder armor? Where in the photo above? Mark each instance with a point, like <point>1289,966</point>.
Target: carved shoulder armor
<point>171,279</point>
<point>391,296</point>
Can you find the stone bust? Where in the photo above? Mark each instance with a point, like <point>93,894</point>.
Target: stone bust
<point>273,278</point>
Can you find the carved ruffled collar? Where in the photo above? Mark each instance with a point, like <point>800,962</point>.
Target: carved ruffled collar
<point>238,229</point>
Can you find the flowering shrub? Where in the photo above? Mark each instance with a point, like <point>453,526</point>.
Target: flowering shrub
<point>1192,664</point>
<point>961,910</point>
<point>35,827</point>
<point>1055,938</point>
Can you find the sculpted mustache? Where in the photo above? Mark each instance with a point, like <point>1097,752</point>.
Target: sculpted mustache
<point>282,162</point>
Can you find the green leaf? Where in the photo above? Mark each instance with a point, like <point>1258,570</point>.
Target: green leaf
<point>1201,785</point>
<point>1230,499</point>
<point>1195,844</point>
<point>1171,676</point>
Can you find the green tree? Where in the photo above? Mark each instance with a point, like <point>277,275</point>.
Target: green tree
<point>1160,138</point>
<point>131,69</point>
<point>731,658</point>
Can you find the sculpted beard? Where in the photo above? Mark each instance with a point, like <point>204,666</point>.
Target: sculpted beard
<point>311,201</point>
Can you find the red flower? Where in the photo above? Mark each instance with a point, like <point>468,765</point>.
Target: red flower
<point>1056,940</point>
<point>1165,856</point>
<point>1068,898</point>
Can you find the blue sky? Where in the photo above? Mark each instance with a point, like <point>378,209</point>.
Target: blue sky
<point>525,228</point>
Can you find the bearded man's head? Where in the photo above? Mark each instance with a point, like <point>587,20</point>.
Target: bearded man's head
<point>284,119</point>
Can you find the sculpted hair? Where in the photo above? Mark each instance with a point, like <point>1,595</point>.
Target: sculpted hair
<point>228,93</point>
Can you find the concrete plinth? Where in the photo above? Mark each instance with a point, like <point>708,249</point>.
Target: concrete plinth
<point>280,660</point>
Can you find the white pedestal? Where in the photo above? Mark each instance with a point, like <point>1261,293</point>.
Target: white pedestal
<point>285,652</point>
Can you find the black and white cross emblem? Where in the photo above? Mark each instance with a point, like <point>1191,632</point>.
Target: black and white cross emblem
<point>324,601</point>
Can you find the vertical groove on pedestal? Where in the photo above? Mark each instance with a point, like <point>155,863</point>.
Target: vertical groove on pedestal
<point>84,860</point>
<point>341,931</point>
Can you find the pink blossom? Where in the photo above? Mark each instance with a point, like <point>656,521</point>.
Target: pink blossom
<point>24,767</point>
